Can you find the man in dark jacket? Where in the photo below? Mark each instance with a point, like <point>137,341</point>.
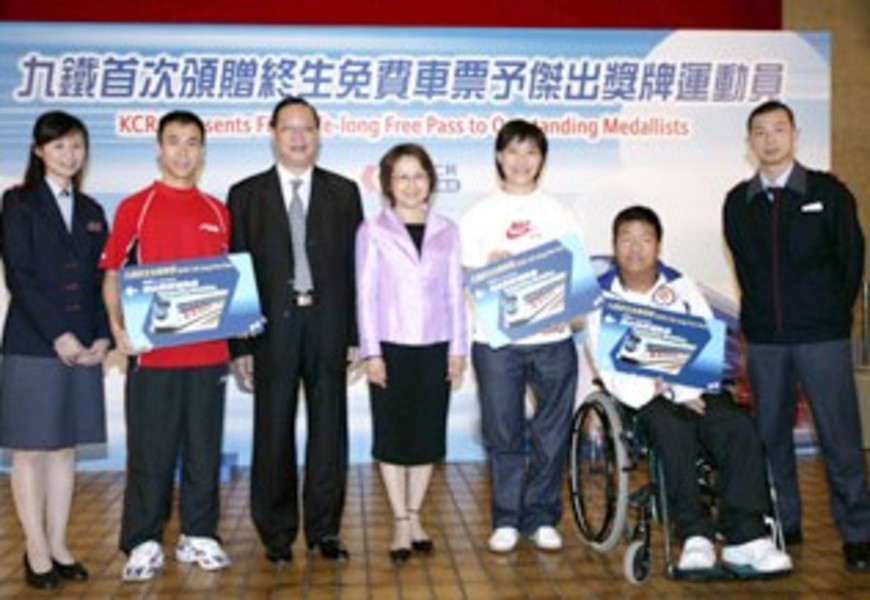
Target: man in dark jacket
<point>799,255</point>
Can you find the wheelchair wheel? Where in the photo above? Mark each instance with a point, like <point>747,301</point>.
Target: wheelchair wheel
<point>598,472</point>
<point>635,563</point>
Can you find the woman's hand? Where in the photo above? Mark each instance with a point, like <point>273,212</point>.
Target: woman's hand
<point>455,369</point>
<point>376,371</point>
<point>68,348</point>
<point>94,355</point>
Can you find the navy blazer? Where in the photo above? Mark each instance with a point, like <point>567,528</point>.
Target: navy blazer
<point>52,274</point>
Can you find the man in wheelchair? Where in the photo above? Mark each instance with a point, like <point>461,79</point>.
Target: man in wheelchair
<point>682,422</point>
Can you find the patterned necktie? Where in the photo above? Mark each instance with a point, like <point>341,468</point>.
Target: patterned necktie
<point>301,269</point>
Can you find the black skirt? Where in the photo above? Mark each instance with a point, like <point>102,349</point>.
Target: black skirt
<point>410,414</point>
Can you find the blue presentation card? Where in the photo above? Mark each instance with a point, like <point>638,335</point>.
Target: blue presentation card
<point>175,303</point>
<point>528,292</point>
<point>675,347</point>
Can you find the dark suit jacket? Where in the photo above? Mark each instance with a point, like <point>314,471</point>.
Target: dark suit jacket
<point>260,226</point>
<point>52,274</point>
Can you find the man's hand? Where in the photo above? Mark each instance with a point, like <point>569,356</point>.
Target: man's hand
<point>696,405</point>
<point>355,365</point>
<point>68,348</point>
<point>122,342</point>
<point>243,371</point>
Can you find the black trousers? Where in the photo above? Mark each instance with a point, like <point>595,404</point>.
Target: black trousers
<point>172,413</point>
<point>728,435</point>
<point>274,473</point>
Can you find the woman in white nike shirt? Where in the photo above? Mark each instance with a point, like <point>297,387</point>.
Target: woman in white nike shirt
<point>525,467</point>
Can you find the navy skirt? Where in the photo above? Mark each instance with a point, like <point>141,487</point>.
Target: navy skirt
<point>46,405</point>
<point>410,415</point>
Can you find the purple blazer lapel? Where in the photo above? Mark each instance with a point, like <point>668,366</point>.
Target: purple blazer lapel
<point>434,225</point>
<point>398,234</point>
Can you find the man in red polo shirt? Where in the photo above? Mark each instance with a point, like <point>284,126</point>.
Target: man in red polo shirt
<point>174,396</point>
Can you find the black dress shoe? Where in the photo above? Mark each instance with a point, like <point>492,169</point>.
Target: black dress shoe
<point>400,556</point>
<point>857,556</point>
<point>42,581</point>
<point>424,546</point>
<point>279,554</point>
<point>73,572</point>
<point>793,537</point>
<point>331,548</point>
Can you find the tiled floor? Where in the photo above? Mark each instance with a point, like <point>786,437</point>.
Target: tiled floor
<point>458,517</point>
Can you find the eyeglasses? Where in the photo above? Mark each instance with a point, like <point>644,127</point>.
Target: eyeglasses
<point>298,129</point>
<point>416,178</point>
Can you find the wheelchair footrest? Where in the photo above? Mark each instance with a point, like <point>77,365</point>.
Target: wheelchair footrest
<point>745,573</point>
<point>717,573</point>
<point>724,572</point>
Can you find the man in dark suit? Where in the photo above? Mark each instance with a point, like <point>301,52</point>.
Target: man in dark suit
<point>298,221</point>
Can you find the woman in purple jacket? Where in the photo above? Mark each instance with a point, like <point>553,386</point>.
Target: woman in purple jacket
<point>411,315</point>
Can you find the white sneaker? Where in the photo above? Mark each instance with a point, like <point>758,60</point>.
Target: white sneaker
<point>698,554</point>
<point>760,555</point>
<point>504,539</point>
<point>547,538</point>
<point>204,551</point>
<point>144,562</point>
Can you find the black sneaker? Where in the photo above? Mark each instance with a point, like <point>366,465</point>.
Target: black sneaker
<point>793,537</point>
<point>857,556</point>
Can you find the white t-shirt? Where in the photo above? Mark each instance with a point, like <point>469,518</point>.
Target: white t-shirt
<point>671,291</point>
<point>514,223</point>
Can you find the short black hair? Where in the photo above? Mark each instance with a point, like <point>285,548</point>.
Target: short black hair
<point>769,106</point>
<point>520,130</point>
<point>293,101</point>
<point>644,214</point>
<point>183,117</point>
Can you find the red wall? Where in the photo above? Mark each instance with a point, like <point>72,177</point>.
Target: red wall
<point>666,14</point>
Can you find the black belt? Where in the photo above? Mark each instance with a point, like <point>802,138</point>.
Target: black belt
<point>303,299</point>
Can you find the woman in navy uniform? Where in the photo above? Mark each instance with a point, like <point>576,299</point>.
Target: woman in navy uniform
<point>55,338</point>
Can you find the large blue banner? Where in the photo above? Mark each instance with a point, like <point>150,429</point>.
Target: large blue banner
<point>633,116</point>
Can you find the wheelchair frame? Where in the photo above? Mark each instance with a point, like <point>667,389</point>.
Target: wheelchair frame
<point>603,451</point>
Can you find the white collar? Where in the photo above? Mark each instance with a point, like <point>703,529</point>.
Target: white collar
<point>287,176</point>
<point>779,181</point>
<point>56,190</point>
<point>634,296</point>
